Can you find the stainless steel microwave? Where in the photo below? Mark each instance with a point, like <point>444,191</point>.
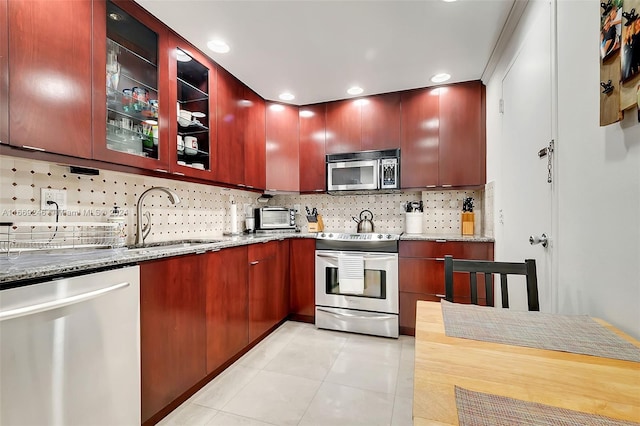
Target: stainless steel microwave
<point>275,218</point>
<point>364,171</point>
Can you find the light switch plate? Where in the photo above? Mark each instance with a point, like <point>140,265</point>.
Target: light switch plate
<point>57,195</point>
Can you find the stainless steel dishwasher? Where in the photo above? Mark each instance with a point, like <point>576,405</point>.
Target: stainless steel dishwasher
<point>70,351</point>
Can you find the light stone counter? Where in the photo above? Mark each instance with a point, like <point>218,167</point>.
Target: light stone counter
<point>26,267</point>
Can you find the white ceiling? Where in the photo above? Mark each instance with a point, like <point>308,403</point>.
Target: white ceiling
<point>318,49</point>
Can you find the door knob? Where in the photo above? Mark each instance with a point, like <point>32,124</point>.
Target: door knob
<point>534,239</point>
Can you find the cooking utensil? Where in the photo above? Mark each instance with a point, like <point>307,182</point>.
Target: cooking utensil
<point>365,225</point>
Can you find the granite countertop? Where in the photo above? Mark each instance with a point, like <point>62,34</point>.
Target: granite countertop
<point>33,266</point>
<point>447,237</point>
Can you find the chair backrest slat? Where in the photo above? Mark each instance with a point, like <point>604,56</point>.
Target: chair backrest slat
<point>488,268</point>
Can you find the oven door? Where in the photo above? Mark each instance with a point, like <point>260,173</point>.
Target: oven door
<point>352,175</point>
<point>379,292</point>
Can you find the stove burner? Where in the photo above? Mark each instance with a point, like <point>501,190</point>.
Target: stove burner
<point>340,236</point>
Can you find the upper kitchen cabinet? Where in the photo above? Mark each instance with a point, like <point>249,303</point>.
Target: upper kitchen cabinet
<point>255,171</point>
<point>193,121</point>
<point>131,99</point>
<point>4,74</point>
<point>230,121</point>
<point>419,147</point>
<point>370,123</point>
<point>49,94</point>
<point>312,148</point>
<point>380,122</point>
<point>344,120</point>
<point>462,148</point>
<point>282,147</point>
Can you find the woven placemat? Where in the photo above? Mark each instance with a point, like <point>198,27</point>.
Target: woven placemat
<point>483,409</point>
<point>578,334</point>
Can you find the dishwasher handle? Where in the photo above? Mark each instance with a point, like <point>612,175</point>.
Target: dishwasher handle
<point>59,303</point>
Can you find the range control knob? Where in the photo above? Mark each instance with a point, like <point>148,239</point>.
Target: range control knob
<point>323,235</point>
<point>330,235</point>
<point>388,236</point>
<point>379,236</point>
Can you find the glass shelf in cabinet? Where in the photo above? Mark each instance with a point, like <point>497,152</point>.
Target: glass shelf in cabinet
<point>190,92</point>
<point>115,46</point>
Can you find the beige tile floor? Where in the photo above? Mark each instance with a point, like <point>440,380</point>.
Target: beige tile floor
<point>301,375</point>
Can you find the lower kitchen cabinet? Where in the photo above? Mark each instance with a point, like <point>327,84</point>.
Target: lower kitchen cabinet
<point>172,330</point>
<point>268,292</point>
<point>226,278</point>
<point>302,305</point>
<point>421,274</point>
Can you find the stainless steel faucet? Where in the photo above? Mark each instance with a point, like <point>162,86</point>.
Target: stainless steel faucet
<point>143,231</point>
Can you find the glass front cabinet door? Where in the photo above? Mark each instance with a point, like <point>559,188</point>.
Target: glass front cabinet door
<point>194,76</point>
<point>135,88</point>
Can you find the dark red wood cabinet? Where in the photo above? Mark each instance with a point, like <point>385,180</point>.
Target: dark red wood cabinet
<point>283,263</point>
<point>313,170</point>
<point>380,122</point>
<point>193,89</point>
<point>255,171</point>
<point>4,74</point>
<point>282,147</point>
<point>420,139</point>
<point>302,279</point>
<point>344,122</point>
<point>421,274</point>
<point>50,90</point>
<point>137,45</point>
<point>264,288</point>
<point>226,276</point>
<point>230,129</point>
<point>172,330</point>
<point>462,148</point>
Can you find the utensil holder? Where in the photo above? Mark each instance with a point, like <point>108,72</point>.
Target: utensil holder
<point>413,223</point>
<point>468,223</point>
<point>316,226</point>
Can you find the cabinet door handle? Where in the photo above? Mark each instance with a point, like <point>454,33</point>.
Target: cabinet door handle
<point>255,262</point>
<point>447,186</point>
<point>178,174</point>
<point>441,296</point>
<point>161,170</point>
<point>440,259</point>
<point>33,148</point>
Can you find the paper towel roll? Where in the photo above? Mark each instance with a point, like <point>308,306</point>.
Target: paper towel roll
<point>234,218</point>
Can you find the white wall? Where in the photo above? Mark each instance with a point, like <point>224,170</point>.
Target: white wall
<point>597,178</point>
<point>598,250</point>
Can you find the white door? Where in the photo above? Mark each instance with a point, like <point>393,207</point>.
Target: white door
<point>525,206</point>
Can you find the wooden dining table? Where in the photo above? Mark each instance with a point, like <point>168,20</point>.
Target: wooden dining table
<point>584,383</point>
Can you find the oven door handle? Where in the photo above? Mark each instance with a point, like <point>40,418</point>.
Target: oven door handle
<point>365,257</point>
<point>344,314</point>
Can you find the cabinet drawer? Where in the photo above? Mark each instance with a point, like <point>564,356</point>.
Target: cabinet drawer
<point>438,249</point>
<point>426,276</point>
<point>262,250</point>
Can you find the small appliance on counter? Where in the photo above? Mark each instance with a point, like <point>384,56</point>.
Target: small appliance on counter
<point>315,220</point>
<point>413,219</point>
<point>274,218</point>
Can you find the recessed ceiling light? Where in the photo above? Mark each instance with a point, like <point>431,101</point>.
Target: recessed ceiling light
<point>439,78</point>
<point>115,16</point>
<point>286,96</point>
<point>355,90</point>
<point>449,1</point>
<point>181,56</point>
<point>305,113</point>
<point>276,107</point>
<point>218,46</point>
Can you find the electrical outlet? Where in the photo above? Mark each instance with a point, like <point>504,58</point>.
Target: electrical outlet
<point>57,195</point>
<point>296,207</point>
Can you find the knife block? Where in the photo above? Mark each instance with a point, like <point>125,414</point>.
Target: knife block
<point>468,222</point>
<point>316,226</point>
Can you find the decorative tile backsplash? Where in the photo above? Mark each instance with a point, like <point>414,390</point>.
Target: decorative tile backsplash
<point>204,210</point>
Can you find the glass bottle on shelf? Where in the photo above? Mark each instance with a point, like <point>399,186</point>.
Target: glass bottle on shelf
<point>132,85</point>
<point>193,147</point>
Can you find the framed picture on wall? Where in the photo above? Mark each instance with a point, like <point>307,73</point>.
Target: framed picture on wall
<point>630,63</point>
<point>610,29</point>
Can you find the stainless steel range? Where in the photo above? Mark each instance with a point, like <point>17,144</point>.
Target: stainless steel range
<point>357,283</point>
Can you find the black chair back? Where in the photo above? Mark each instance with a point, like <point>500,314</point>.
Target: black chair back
<point>488,268</point>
